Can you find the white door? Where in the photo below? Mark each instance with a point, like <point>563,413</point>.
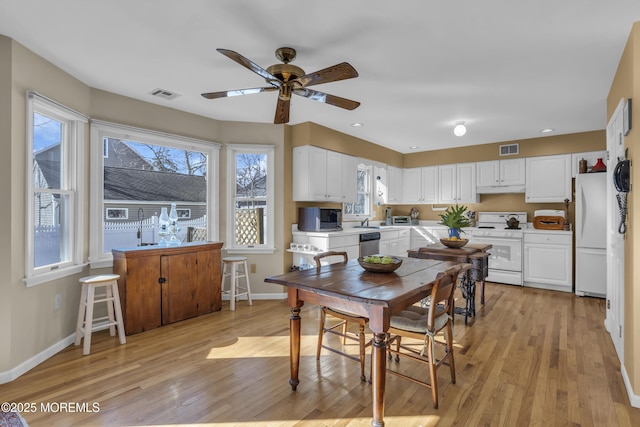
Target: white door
<point>591,210</point>
<point>614,321</point>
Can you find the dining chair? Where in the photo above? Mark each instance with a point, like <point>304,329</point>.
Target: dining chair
<point>345,319</point>
<point>423,324</point>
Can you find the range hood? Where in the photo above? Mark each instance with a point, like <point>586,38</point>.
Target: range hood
<point>500,189</point>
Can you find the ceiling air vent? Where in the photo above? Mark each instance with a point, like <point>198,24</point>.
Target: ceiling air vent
<point>161,93</point>
<point>509,150</point>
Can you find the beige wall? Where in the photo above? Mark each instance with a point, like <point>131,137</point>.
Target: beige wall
<point>28,322</point>
<point>626,84</point>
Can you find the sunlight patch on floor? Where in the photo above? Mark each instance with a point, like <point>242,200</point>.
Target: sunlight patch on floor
<point>274,346</point>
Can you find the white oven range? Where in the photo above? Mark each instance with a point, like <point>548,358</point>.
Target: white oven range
<point>505,262</point>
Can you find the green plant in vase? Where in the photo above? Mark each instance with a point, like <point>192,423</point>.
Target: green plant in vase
<point>454,218</point>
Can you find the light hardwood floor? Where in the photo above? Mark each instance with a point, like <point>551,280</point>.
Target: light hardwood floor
<point>531,357</point>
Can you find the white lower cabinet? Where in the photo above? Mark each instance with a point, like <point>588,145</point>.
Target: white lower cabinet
<point>548,260</point>
<point>425,236</point>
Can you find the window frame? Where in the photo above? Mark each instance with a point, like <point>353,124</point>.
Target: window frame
<point>100,129</point>
<point>232,150</point>
<point>71,186</point>
<point>369,168</point>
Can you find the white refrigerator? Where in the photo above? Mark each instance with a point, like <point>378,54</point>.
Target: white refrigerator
<point>590,232</point>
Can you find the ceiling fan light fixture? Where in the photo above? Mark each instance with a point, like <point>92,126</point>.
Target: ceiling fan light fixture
<point>460,129</point>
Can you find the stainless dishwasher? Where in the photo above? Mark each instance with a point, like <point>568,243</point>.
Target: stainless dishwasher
<point>369,244</point>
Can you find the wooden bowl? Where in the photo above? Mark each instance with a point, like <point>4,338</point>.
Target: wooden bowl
<point>381,268</point>
<point>454,243</point>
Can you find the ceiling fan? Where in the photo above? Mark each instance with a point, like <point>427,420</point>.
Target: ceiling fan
<point>288,79</point>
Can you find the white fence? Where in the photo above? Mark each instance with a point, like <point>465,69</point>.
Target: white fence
<point>125,234</point>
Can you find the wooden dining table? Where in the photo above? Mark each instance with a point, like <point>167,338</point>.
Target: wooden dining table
<point>377,296</point>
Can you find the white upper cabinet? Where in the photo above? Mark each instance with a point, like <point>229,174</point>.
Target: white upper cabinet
<point>457,183</point>
<point>349,179</point>
<point>420,185</point>
<point>323,175</point>
<point>548,179</point>
<point>501,176</point>
<point>394,185</point>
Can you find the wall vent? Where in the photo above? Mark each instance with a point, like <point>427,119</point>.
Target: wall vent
<point>509,150</point>
<point>162,93</point>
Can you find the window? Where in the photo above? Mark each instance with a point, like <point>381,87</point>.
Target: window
<point>142,173</point>
<point>55,138</point>
<point>250,198</point>
<point>362,207</point>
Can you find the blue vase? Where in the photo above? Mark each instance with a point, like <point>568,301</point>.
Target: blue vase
<point>454,232</point>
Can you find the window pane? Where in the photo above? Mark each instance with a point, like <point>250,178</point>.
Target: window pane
<point>47,156</point>
<point>251,199</point>
<point>142,178</point>
<point>50,234</point>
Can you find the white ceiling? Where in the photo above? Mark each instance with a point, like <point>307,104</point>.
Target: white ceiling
<point>507,68</point>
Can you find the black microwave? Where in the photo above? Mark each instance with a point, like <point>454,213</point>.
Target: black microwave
<point>319,219</point>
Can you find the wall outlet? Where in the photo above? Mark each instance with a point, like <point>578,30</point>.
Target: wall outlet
<point>57,302</point>
<point>252,268</point>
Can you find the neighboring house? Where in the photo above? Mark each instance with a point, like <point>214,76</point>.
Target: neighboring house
<point>131,194</point>
<point>133,190</point>
<point>46,174</point>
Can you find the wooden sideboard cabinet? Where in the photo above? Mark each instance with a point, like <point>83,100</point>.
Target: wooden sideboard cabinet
<point>162,285</point>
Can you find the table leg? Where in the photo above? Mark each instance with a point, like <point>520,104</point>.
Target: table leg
<point>379,373</point>
<point>482,293</point>
<point>294,350</point>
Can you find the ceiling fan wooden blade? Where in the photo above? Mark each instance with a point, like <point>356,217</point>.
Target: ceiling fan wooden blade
<point>238,92</point>
<point>335,73</point>
<point>327,99</point>
<point>282,111</point>
<point>235,56</point>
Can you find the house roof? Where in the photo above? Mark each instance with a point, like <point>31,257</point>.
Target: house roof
<point>152,186</point>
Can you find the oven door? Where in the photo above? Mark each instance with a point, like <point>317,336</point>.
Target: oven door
<point>505,260</point>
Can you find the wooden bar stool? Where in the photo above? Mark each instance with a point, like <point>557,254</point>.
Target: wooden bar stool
<point>88,298</point>
<point>230,269</point>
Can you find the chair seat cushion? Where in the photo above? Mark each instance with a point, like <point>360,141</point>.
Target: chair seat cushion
<point>414,319</point>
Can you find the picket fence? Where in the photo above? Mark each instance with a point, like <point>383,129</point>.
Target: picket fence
<point>117,234</point>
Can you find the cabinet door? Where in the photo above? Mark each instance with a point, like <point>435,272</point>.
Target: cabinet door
<point>333,176</point>
<point>142,295</point>
<point>548,178</point>
<point>466,183</point>
<point>430,184</point>
<point>208,297</point>
<point>349,179</point>
<point>412,186</point>
<point>488,173</point>
<point>394,185</point>
<point>548,265</point>
<point>447,179</point>
<point>512,172</point>
<point>180,287</point>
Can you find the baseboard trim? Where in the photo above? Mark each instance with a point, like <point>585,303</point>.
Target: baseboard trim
<point>34,361</point>
<point>634,399</point>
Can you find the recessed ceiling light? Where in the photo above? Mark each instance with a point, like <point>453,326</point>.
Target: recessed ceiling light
<point>547,130</point>
<point>460,129</point>
<point>357,125</point>
<point>413,147</point>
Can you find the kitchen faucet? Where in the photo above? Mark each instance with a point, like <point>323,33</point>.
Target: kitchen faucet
<point>364,222</point>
